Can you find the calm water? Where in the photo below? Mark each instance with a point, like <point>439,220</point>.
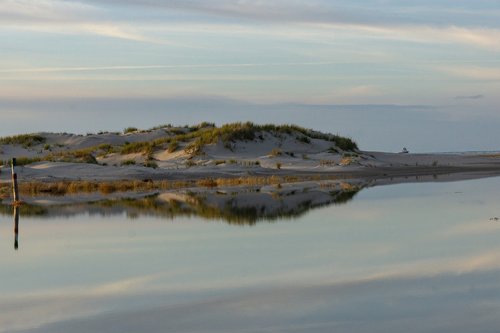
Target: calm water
<point>401,258</point>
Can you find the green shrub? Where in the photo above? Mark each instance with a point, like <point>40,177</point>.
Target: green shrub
<point>128,162</point>
<point>333,150</point>
<point>151,164</point>
<point>173,146</point>
<point>345,143</point>
<point>105,147</point>
<point>130,130</point>
<point>303,139</point>
<point>20,161</point>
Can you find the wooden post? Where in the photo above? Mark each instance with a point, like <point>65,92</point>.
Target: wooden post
<point>16,227</point>
<point>15,188</point>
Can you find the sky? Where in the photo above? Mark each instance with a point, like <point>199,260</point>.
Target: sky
<point>423,74</point>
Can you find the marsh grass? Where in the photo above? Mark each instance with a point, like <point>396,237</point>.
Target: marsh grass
<point>35,188</point>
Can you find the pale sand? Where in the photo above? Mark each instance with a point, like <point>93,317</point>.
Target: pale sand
<point>387,166</point>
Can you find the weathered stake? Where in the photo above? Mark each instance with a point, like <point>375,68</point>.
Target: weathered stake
<point>15,188</point>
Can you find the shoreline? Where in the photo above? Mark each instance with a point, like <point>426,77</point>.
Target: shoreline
<point>80,190</point>
<point>51,172</point>
<point>240,204</point>
<point>205,155</point>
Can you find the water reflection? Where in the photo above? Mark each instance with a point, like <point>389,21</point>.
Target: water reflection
<point>424,256</point>
<point>235,206</point>
<point>16,227</point>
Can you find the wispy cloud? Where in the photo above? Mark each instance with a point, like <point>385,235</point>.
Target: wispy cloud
<point>147,67</point>
<point>65,17</point>
<point>473,72</point>
<point>318,18</point>
<point>446,12</point>
<point>470,97</point>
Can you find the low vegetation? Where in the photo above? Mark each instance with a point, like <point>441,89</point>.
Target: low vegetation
<point>130,130</point>
<point>25,140</point>
<point>172,147</point>
<point>137,147</point>
<point>128,162</point>
<point>192,139</point>
<point>74,187</point>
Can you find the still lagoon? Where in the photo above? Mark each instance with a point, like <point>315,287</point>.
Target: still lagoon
<point>415,257</point>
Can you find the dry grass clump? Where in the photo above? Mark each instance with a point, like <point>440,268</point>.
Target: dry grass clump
<point>327,163</point>
<point>25,140</point>
<point>151,164</point>
<point>75,156</point>
<point>137,147</point>
<point>127,162</point>
<point>348,187</point>
<point>107,188</point>
<point>172,147</point>
<point>57,188</point>
<point>74,187</point>
<point>254,180</point>
<point>276,152</point>
<point>346,161</point>
<point>4,191</point>
<point>208,182</point>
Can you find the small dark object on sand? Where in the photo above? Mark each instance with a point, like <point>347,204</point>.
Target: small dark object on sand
<point>494,219</point>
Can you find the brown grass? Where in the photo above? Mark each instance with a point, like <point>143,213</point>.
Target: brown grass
<point>35,188</point>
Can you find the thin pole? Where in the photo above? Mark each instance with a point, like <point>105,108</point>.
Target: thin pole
<point>15,188</point>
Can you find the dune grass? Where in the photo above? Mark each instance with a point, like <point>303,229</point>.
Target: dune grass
<point>25,140</point>
<point>195,138</point>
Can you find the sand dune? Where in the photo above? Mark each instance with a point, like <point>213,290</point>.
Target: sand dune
<point>206,151</point>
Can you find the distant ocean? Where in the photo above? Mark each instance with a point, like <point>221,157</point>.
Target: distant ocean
<point>473,152</point>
